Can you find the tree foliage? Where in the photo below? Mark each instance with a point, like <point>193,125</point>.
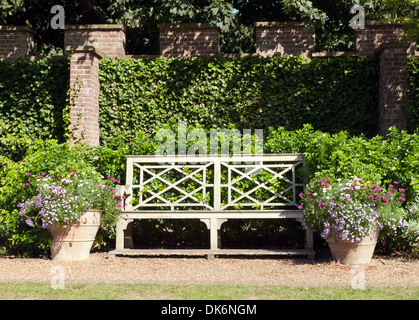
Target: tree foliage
<point>403,11</point>
<point>234,17</point>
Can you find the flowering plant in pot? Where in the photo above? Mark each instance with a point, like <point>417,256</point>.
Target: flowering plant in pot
<point>350,214</point>
<point>72,208</point>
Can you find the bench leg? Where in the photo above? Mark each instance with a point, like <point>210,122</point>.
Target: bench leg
<point>309,243</point>
<point>121,226</point>
<point>214,226</point>
<point>128,236</point>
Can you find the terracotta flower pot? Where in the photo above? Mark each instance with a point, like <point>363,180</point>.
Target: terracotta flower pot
<point>352,253</point>
<point>74,242</point>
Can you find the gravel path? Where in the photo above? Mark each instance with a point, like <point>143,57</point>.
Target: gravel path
<point>199,270</point>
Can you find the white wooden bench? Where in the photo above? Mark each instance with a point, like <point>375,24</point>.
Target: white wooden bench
<point>213,189</point>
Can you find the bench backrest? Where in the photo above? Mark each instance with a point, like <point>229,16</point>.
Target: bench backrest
<point>213,182</point>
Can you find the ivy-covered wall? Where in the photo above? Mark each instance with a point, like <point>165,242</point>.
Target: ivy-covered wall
<point>332,94</point>
<point>33,97</point>
<point>412,103</point>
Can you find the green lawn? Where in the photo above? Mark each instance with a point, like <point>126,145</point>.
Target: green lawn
<point>104,291</point>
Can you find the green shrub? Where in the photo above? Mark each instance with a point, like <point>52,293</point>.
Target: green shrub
<point>339,154</point>
<point>41,157</point>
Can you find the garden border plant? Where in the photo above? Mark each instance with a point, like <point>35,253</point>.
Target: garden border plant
<point>375,159</point>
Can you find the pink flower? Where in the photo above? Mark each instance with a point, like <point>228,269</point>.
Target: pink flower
<point>384,200</point>
<point>29,174</point>
<point>326,178</point>
<point>391,186</point>
<point>300,207</point>
<point>402,190</point>
<point>395,182</point>
<point>301,194</point>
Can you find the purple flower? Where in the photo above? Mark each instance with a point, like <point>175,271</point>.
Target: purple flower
<point>29,222</point>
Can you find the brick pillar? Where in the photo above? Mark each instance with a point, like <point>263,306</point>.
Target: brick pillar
<point>189,39</point>
<point>109,39</point>
<point>284,38</point>
<point>15,42</point>
<point>393,85</point>
<point>84,95</point>
<point>369,39</point>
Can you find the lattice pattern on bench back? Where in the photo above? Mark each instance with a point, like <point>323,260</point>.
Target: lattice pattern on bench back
<point>213,183</point>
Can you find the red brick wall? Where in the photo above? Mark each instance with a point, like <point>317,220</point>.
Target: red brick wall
<point>84,113</point>
<point>374,34</point>
<point>87,44</point>
<point>15,42</point>
<point>189,39</point>
<point>283,38</point>
<point>108,39</point>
